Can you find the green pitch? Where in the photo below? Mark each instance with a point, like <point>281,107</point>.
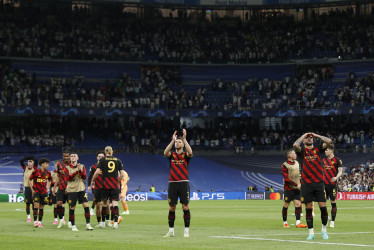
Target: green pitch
<point>214,224</point>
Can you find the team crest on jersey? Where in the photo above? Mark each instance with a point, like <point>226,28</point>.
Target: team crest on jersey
<point>315,151</point>
<point>183,156</point>
<point>302,198</point>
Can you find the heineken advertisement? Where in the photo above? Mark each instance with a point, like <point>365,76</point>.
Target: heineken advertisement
<point>12,198</point>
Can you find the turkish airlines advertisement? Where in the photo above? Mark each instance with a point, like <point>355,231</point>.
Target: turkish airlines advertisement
<point>355,196</point>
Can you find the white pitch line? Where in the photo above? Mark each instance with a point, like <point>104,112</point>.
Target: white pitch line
<point>293,241</point>
<point>305,234</point>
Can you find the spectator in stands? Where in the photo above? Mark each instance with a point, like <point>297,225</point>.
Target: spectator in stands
<point>139,189</point>
<point>152,189</point>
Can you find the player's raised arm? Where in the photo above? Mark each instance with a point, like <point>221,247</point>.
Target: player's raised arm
<point>167,152</point>
<point>325,140</point>
<point>186,145</point>
<point>296,145</point>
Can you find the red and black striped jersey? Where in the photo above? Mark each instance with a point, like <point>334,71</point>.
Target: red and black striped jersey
<point>179,167</point>
<point>98,180</point>
<point>330,169</point>
<point>63,174</point>
<point>311,164</point>
<point>40,179</point>
<point>110,166</point>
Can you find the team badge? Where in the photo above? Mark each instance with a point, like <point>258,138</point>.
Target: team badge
<point>182,156</point>
<point>36,199</point>
<point>302,198</point>
<point>315,151</point>
<point>69,201</point>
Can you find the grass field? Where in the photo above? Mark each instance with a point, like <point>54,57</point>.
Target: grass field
<point>226,224</point>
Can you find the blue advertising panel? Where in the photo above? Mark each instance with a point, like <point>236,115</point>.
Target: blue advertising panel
<point>217,196</point>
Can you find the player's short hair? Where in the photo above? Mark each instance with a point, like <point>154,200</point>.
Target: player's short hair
<point>66,152</point>
<point>42,160</point>
<point>100,152</point>
<point>108,149</point>
<point>73,153</point>
<point>180,138</point>
<point>331,147</point>
<point>289,151</point>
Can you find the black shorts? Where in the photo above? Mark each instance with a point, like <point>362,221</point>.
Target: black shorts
<point>110,194</point>
<point>290,195</point>
<point>313,192</point>
<point>61,196</point>
<point>97,195</point>
<point>178,189</point>
<point>42,199</point>
<point>81,197</point>
<point>331,192</point>
<point>28,195</point>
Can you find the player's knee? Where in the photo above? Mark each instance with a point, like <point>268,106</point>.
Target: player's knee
<point>172,208</point>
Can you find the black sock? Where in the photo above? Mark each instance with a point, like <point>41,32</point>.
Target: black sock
<point>309,217</point>
<point>98,219</point>
<point>324,215</point>
<point>41,212</point>
<point>59,212</point>
<point>87,215</point>
<point>115,213</point>
<point>103,213</point>
<point>27,209</point>
<point>284,213</point>
<point>55,212</point>
<point>171,218</point>
<point>334,210</point>
<point>71,217</point>
<point>35,214</point>
<point>297,212</point>
<point>187,217</point>
<point>93,205</point>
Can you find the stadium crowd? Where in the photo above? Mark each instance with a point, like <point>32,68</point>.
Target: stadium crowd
<point>162,88</point>
<point>120,36</point>
<point>357,178</point>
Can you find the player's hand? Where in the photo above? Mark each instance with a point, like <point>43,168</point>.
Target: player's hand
<point>174,136</point>
<point>299,186</point>
<point>333,179</point>
<point>54,191</point>
<point>89,189</point>
<point>184,134</point>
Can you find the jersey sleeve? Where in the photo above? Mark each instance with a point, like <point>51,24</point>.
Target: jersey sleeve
<point>100,164</point>
<point>120,165</point>
<point>286,177</point>
<point>340,163</point>
<point>90,175</point>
